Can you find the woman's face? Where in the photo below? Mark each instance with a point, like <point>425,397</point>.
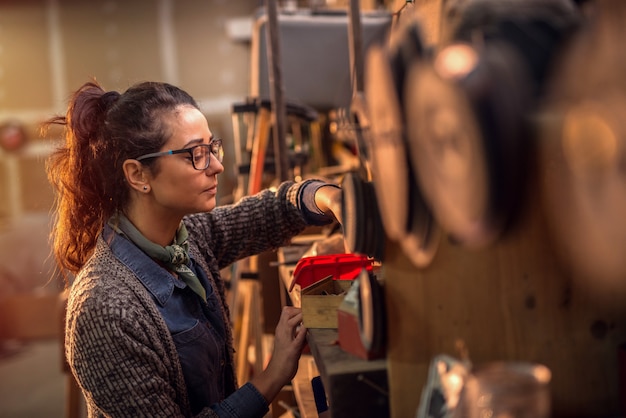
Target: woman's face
<point>178,188</point>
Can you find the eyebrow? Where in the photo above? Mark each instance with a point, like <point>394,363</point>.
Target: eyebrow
<point>197,140</point>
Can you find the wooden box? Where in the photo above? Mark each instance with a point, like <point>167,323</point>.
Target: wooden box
<point>320,301</point>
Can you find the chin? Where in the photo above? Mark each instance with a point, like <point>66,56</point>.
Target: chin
<point>209,206</point>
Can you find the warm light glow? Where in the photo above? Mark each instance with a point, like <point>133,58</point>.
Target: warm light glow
<point>590,144</point>
<point>542,374</point>
<point>456,61</point>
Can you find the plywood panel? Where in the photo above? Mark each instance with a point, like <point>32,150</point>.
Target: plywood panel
<point>210,64</point>
<point>30,316</point>
<point>27,59</point>
<point>117,42</point>
<point>511,301</point>
<point>5,207</point>
<point>35,191</point>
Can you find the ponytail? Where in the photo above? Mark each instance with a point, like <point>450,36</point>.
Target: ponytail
<point>79,177</point>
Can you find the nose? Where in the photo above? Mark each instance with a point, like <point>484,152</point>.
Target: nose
<point>215,166</point>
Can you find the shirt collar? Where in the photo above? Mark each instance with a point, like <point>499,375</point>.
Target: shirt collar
<point>154,278</point>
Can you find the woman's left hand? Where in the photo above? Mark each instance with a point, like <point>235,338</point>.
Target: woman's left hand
<point>289,340</point>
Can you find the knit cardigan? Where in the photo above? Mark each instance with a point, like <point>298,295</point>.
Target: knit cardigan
<point>116,342</point>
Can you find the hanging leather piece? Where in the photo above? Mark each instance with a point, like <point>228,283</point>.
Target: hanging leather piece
<point>405,216</point>
<point>584,154</point>
<point>468,109</point>
<point>362,228</point>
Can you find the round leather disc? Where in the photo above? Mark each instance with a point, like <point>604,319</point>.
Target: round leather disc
<point>467,136</point>
<point>584,156</point>
<point>403,212</point>
<point>422,240</point>
<point>374,231</point>
<point>447,153</point>
<point>371,315</point>
<point>353,213</point>
<point>363,230</point>
<point>387,151</point>
<point>592,211</point>
<point>366,304</point>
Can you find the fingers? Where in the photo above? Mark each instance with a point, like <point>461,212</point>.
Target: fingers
<point>291,316</point>
<point>290,340</point>
<point>290,323</point>
<point>300,335</point>
<point>290,311</point>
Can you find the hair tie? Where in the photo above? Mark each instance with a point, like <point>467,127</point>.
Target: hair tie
<point>109,98</point>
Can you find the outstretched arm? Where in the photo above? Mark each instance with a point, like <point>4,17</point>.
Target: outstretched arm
<point>329,200</point>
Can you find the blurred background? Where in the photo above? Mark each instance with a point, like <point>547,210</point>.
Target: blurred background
<point>502,199</point>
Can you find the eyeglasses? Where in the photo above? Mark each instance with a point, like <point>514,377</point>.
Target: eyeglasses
<point>200,155</point>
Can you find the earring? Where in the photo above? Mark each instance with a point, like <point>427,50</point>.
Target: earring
<point>145,188</point>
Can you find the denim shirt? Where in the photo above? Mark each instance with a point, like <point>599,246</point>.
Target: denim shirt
<point>197,330</point>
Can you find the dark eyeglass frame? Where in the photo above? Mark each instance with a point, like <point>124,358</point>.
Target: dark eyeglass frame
<point>214,148</point>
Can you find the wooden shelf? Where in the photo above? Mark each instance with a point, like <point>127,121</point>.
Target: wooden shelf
<point>354,387</point>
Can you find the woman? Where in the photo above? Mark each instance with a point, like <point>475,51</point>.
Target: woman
<point>147,331</point>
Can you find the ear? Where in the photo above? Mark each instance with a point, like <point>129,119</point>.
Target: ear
<point>136,175</point>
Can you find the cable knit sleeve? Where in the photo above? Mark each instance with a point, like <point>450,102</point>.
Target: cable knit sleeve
<point>256,223</point>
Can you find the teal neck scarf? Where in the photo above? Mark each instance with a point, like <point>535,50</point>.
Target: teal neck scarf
<point>174,256</point>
